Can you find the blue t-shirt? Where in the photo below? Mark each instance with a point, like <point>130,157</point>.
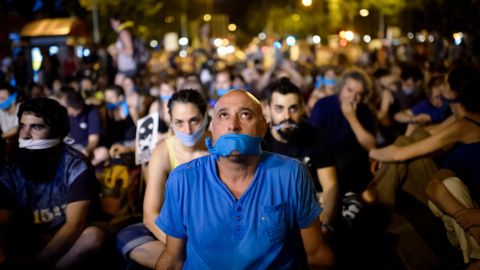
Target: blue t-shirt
<point>257,231</point>
<point>436,114</point>
<point>465,163</point>
<point>85,124</point>
<point>40,206</point>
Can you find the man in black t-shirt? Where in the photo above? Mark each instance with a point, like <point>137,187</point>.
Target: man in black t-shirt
<point>289,134</point>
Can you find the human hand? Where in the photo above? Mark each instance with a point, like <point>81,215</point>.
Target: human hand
<point>383,154</point>
<point>349,109</point>
<point>116,150</point>
<point>422,119</point>
<point>475,232</point>
<point>467,218</point>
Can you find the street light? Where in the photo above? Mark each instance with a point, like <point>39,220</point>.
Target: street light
<point>364,12</point>
<point>232,27</point>
<point>307,3</point>
<point>207,17</point>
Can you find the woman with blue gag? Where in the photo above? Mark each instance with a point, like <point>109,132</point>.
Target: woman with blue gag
<point>144,242</point>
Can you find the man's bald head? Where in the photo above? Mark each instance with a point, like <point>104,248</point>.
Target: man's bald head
<point>240,112</point>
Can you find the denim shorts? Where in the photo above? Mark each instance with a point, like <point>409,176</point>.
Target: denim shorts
<point>133,236</point>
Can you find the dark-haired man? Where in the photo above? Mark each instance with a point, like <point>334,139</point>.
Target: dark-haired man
<point>45,194</point>
<point>85,127</point>
<point>289,134</point>
<point>350,127</point>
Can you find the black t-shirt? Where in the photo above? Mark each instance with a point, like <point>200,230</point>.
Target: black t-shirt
<point>308,144</point>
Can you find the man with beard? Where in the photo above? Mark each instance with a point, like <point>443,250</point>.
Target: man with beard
<point>290,135</point>
<point>241,207</point>
<point>45,194</point>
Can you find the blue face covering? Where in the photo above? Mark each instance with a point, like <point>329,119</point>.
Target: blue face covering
<point>410,91</point>
<point>165,98</point>
<point>221,92</point>
<point>322,80</point>
<point>245,144</point>
<point>8,101</point>
<point>191,139</point>
<point>246,87</point>
<point>124,105</point>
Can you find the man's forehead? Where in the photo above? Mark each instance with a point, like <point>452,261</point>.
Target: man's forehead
<point>234,99</point>
<point>32,117</point>
<point>283,98</point>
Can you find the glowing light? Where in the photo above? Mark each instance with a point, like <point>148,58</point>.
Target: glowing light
<point>343,42</point>
<point>183,41</point>
<point>183,53</point>
<point>431,39</point>
<point>80,51</point>
<point>367,38</point>
<point>349,35</point>
<point>265,49</point>
<point>458,38</point>
<point>169,19</point>
<point>222,50</point>
<point>307,3</point>
<point>262,36</point>
<point>364,12</point>
<point>232,27</point>
<point>153,43</point>
<point>420,38</point>
<point>207,17</point>
<point>230,49</point>
<point>342,34</point>
<point>225,42</point>
<point>86,53</point>
<point>217,42</point>
<point>53,50</point>
<point>296,17</point>
<point>410,35</point>
<point>277,45</point>
<point>316,39</point>
<point>291,41</point>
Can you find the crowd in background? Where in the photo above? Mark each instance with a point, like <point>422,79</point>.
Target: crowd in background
<point>394,93</point>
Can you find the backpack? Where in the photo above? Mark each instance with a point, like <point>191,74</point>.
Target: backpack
<point>140,53</point>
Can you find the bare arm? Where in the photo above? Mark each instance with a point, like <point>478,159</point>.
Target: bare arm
<point>174,255</point>
<point>10,133</point>
<point>319,254</point>
<point>158,169</point>
<point>126,39</point>
<point>66,236</point>
<point>328,180</point>
<point>93,141</point>
<point>365,138</point>
<point>405,116</point>
<point>439,194</point>
<point>445,137</point>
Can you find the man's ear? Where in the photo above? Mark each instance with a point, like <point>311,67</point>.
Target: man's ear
<point>264,126</point>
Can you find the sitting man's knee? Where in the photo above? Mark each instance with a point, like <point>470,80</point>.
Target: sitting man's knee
<point>93,238</point>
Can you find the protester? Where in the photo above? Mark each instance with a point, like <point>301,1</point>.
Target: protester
<point>144,242</point>
<point>219,206</point>
<point>48,196</point>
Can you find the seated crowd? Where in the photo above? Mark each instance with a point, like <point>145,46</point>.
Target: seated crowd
<point>71,188</point>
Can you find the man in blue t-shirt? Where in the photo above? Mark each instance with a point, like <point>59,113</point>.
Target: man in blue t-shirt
<point>240,208</point>
<point>85,127</point>
<point>47,195</point>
